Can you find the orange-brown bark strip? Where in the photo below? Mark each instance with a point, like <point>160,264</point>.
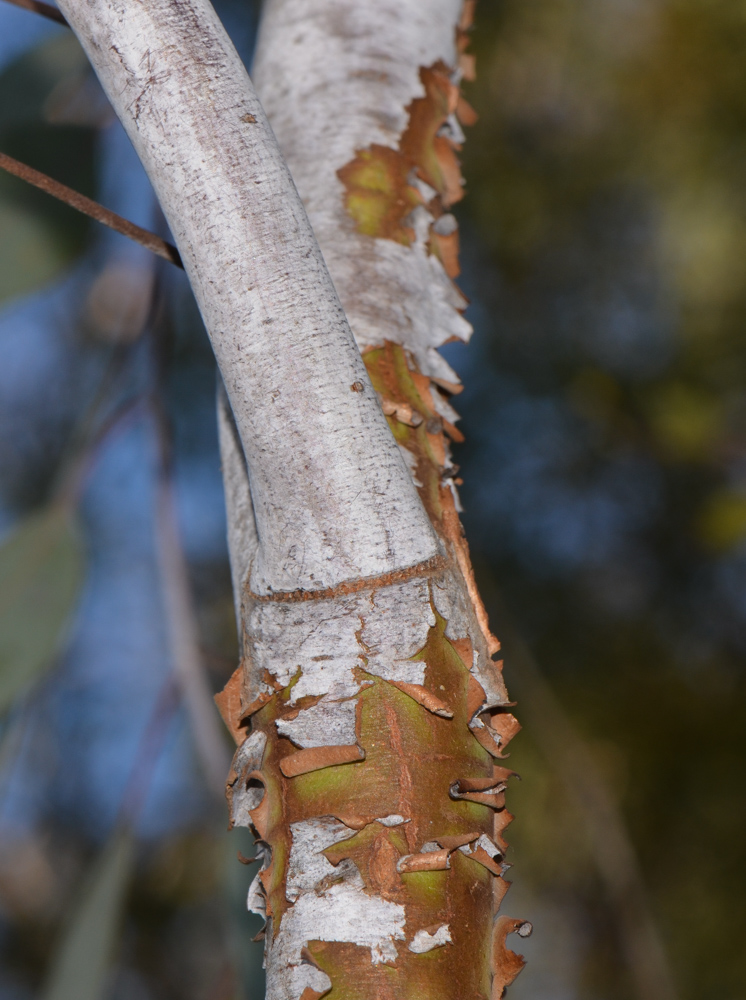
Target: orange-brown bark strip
<point>418,801</point>
<point>401,774</point>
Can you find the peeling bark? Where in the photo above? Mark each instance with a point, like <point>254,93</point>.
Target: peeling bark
<point>366,107</point>
<point>369,707</point>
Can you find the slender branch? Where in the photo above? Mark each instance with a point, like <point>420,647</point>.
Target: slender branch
<point>91,208</point>
<point>148,752</point>
<point>39,7</point>
<point>74,476</point>
<point>210,745</point>
<point>180,612</point>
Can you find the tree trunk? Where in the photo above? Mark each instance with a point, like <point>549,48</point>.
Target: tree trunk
<point>368,707</point>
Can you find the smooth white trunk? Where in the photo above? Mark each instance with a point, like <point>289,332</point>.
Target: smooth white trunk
<point>331,496</point>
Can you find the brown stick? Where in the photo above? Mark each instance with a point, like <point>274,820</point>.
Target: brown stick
<point>39,7</point>
<point>91,208</point>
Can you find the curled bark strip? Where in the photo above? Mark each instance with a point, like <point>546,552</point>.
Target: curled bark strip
<point>487,737</point>
<point>393,819</point>
<point>357,822</point>
<point>482,857</point>
<point>500,776</point>
<point>495,798</point>
<point>446,249</point>
<point>425,698</point>
<point>476,846</point>
<point>506,725</point>
<point>403,412</point>
<point>476,699</point>
<point>255,704</point>
<point>244,788</point>
<point>432,861</point>
<point>502,820</point>
<point>465,112</point>
<point>506,964</point>
<point>423,143</point>
<point>486,791</point>
<point>452,843</point>
<point>314,758</point>
<point>229,705</point>
<point>311,994</point>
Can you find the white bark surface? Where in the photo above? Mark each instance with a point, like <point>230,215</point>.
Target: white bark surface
<point>332,497</point>
<point>335,77</point>
<point>382,628</point>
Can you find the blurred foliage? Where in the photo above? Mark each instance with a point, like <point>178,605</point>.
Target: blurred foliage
<point>80,966</point>
<point>39,235</point>
<point>41,573</point>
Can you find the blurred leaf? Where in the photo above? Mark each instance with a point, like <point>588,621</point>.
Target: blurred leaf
<point>722,521</point>
<point>41,571</point>
<point>686,420</point>
<point>31,78</point>
<point>39,236</point>
<point>594,394</point>
<point>80,966</point>
<point>30,254</point>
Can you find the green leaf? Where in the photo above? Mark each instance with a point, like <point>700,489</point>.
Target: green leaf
<point>81,964</point>
<point>41,572</point>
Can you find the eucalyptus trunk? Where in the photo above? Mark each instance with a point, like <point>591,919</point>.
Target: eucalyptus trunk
<point>368,707</point>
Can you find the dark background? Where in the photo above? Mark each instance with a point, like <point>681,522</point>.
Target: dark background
<point>604,251</point>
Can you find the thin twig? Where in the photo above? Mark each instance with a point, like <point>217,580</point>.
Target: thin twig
<point>92,209</point>
<point>180,611</point>
<point>148,752</point>
<point>83,434</point>
<point>39,7</point>
<point>73,482</point>
<point>181,621</point>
